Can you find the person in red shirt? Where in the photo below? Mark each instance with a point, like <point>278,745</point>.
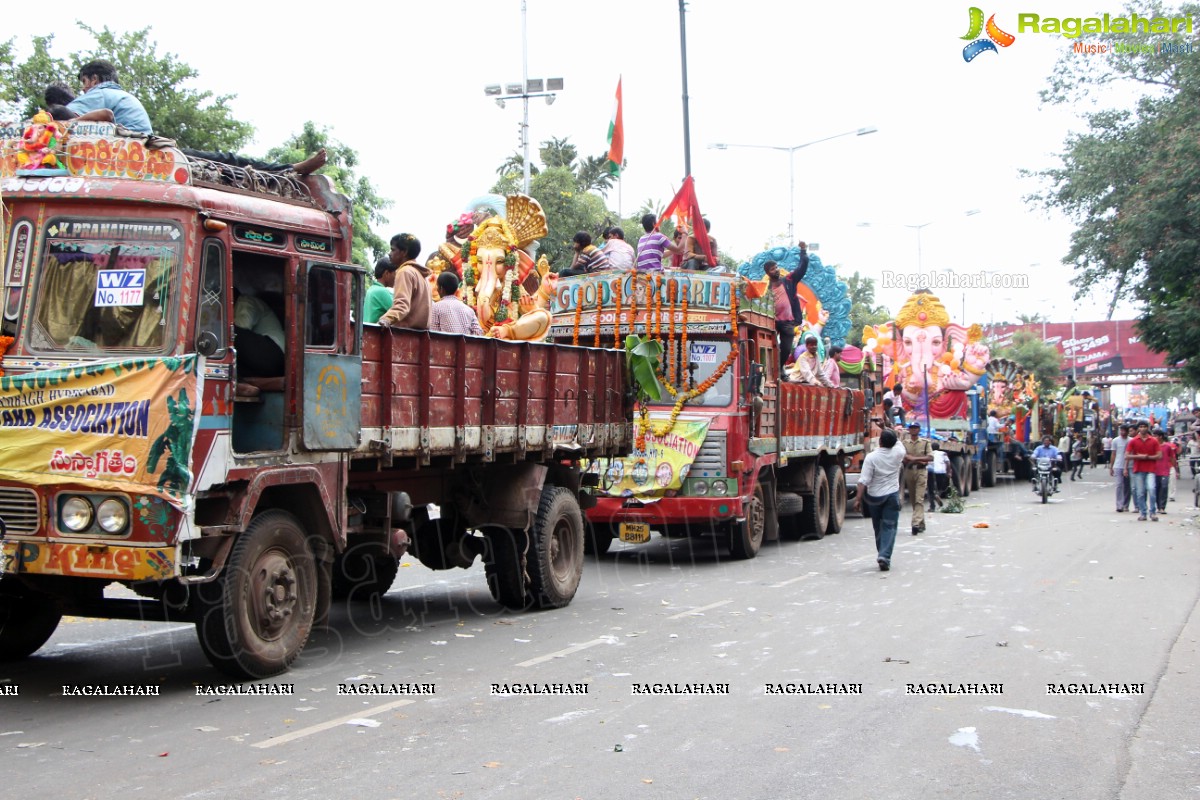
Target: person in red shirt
<point>1166,464</point>
<point>1142,452</point>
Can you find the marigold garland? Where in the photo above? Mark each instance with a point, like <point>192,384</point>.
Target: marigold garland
<point>671,329</point>
<point>578,315</point>
<point>617,316</point>
<point>599,308</point>
<point>5,343</point>
<point>686,377</point>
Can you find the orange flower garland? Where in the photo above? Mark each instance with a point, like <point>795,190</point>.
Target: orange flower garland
<point>683,348</point>
<point>671,329</point>
<point>5,343</point>
<point>599,306</point>
<point>578,315</point>
<point>617,317</point>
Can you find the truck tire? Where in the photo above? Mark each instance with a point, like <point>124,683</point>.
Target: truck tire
<point>745,539</point>
<point>556,556</point>
<point>968,467</point>
<point>361,574</point>
<point>976,468</point>
<point>837,498</point>
<point>505,566</point>
<point>814,520</point>
<point>956,464</point>
<point>26,623</point>
<point>988,478</point>
<point>790,506</point>
<point>599,537</point>
<point>259,612</point>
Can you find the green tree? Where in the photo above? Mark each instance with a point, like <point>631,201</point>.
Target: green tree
<point>1131,182</point>
<point>1028,349</point>
<point>1161,394</point>
<point>341,165</point>
<point>194,118</point>
<point>863,309</point>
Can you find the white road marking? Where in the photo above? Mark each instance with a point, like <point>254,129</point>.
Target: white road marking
<point>566,651</point>
<point>115,639</point>
<point>333,723</point>
<point>781,584</point>
<point>700,610</point>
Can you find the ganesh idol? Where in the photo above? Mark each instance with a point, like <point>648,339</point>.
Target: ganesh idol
<point>508,290</point>
<point>929,356</point>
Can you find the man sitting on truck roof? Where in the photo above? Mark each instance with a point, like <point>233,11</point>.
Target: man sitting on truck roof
<point>101,91</point>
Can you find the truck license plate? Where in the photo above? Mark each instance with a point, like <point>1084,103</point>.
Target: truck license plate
<point>635,532</point>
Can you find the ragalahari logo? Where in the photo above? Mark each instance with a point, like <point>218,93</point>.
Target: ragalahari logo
<point>995,36</point>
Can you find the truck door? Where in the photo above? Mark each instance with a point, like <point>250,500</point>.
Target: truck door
<point>332,365</point>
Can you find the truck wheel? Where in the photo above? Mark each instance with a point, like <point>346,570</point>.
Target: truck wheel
<point>505,566</point>
<point>556,554</point>
<point>598,538</point>
<point>837,498</point>
<point>790,506</point>
<point>745,539</point>
<point>976,468</point>
<point>26,623</point>
<point>988,478</point>
<point>967,467</point>
<point>362,575</point>
<point>814,520</point>
<point>260,610</point>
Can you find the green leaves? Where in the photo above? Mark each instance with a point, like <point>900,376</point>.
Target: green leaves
<point>642,356</point>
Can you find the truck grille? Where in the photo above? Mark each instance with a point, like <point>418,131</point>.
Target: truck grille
<point>19,510</point>
<point>710,461</point>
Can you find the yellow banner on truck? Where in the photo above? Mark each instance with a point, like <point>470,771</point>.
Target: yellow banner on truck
<point>661,468</point>
<point>123,425</point>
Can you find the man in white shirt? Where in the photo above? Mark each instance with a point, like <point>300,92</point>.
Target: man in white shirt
<point>879,484</point>
<point>808,367</point>
<point>1119,469</point>
<point>620,252</point>
<point>993,423</point>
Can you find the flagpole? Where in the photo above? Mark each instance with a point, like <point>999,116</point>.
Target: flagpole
<point>687,130</point>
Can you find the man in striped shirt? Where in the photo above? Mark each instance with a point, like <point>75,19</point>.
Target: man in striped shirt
<point>653,245</point>
<point>451,315</point>
<point>588,258</point>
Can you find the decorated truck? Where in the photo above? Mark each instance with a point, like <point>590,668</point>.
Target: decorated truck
<point>937,364</point>
<point>729,451</point>
<point>142,447</point>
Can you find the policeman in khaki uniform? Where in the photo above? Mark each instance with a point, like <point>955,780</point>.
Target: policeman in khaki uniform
<point>920,453</point>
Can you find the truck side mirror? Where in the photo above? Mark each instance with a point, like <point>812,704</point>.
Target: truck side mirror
<point>206,343</point>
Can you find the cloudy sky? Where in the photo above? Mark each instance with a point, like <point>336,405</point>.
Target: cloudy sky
<point>404,86</point>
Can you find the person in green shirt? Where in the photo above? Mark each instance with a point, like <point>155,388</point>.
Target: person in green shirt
<point>379,294</point>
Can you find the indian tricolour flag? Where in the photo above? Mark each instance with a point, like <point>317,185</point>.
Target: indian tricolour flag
<point>616,136</point>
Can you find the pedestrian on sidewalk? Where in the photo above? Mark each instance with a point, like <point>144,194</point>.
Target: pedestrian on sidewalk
<point>879,488</point>
<point>1078,454</point>
<point>937,480</point>
<point>1119,468</point>
<point>1167,463</point>
<point>1142,451</point>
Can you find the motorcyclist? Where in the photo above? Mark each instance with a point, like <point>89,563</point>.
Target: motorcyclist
<point>1047,450</point>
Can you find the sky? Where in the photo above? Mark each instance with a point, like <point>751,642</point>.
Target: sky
<point>403,85</point>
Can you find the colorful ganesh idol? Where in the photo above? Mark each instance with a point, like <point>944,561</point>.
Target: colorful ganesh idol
<point>510,293</point>
<point>925,350</point>
<point>39,142</point>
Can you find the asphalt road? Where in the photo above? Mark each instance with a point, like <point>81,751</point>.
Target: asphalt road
<point>1065,593</point>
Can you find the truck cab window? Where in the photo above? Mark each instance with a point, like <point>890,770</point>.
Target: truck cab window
<point>211,317</point>
<point>106,286</point>
<point>322,311</point>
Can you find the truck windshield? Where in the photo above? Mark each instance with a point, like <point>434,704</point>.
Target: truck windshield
<point>105,285</point>
<point>707,357</point>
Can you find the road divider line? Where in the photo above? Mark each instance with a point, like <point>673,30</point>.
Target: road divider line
<point>333,723</point>
<point>700,610</point>
<point>566,651</point>
<point>796,579</point>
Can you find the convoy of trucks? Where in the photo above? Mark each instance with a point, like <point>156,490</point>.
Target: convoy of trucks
<point>139,450</point>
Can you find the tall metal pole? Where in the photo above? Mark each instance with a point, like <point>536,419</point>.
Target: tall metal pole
<point>687,127</point>
<point>525,92</point>
<point>792,196</point>
<point>1074,350</point>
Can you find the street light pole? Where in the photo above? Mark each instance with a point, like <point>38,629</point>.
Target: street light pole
<point>918,230</point>
<point>525,98</point>
<point>791,151</point>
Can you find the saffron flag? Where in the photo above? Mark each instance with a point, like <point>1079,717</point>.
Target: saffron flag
<point>616,137</point>
<point>688,217</point>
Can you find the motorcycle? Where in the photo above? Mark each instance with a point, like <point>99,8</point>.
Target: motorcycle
<point>1043,483</point>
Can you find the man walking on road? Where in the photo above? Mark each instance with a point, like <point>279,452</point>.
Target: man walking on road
<point>1119,469</point>
<point>916,475</point>
<point>879,487</point>
<point>1142,452</point>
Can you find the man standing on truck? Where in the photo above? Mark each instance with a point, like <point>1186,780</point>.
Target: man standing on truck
<point>412,302</point>
<point>915,474</point>
<point>879,487</point>
<point>787,307</point>
<point>379,294</point>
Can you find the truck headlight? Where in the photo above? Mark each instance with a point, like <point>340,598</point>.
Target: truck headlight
<point>75,514</point>
<point>700,487</point>
<point>112,516</point>
<point>720,488</point>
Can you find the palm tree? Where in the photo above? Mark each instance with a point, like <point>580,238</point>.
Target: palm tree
<point>557,152</point>
<point>593,175</point>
